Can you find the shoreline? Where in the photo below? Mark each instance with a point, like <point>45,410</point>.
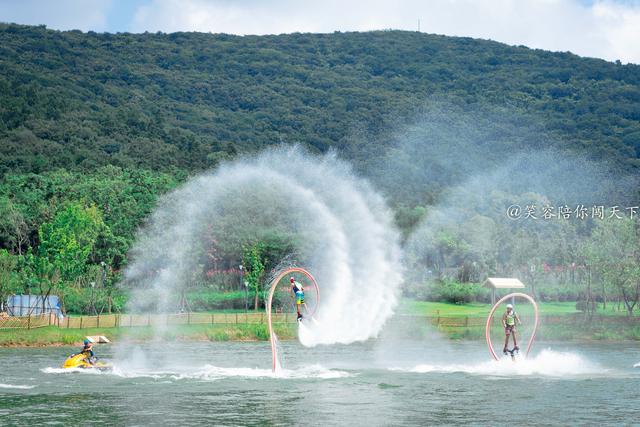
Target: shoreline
<point>60,344</point>
<point>52,336</point>
<point>55,337</point>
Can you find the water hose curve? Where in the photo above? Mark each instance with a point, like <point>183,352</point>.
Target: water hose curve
<point>493,309</point>
<point>274,284</point>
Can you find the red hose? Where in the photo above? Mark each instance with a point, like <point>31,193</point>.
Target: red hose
<point>274,284</point>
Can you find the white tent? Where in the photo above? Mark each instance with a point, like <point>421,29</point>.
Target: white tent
<point>501,283</point>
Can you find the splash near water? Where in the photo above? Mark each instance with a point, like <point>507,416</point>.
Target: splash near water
<point>210,372</point>
<point>337,226</point>
<point>51,370</point>
<point>204,373</point>
<point>546,363</point>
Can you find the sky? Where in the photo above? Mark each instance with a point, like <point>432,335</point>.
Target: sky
<point>608,29</point>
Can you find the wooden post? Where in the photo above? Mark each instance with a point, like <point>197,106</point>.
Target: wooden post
<point>188,317</point>
<point>29,321</point>
<point>130,319</point>
<point>236,318</point>
<point>81,317</point>
<point>98,321</point>
<point>68,318</point>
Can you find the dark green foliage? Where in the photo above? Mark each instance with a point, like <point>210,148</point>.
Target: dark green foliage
<point>458,293</point>
<point>112,121</point>
<point>123,197</point>
<point>189,100</point>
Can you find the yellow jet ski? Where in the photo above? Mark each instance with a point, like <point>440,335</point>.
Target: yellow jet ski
<point>83,361</point>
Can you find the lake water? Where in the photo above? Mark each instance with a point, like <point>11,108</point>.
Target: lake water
<point>381,382</point>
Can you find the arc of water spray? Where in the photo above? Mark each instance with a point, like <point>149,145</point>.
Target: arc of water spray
<point>274,284</point>
<point>494,308</point>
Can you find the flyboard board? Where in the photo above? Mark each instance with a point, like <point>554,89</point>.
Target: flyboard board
<point>515,351</point>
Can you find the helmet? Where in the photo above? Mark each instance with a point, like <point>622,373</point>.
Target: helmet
<point>86,342</point>
<point>292,279</point>
<point>509,306</point>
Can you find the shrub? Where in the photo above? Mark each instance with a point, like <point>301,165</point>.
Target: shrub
<point>457,293</point>
<point>217,335</point>
<point>211,300</point>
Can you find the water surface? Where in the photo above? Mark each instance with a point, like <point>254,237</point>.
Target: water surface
<point>386,382</point>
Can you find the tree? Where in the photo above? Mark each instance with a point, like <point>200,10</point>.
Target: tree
<point>8,264</point>
<point>45,275</point>
<point>615,254</point>
<point>13,227</point>
<point>66,244</point>
<point>253,261</point>
<point>70,238</point>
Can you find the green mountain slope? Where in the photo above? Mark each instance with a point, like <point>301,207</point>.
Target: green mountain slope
<point>186,100</point>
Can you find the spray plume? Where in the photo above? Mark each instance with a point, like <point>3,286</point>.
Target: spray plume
<point>338,228</point>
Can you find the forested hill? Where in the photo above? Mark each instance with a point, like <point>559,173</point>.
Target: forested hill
<point>183,101</point>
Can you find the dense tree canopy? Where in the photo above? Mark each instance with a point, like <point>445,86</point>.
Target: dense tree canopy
<point>187,100</point>
<point>95,127</point>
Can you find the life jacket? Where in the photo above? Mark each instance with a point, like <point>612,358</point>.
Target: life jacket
<point>297,288</point>
<point>511,318</point>
<point>88,352</point>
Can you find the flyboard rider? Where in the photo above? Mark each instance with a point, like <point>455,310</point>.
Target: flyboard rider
<point>298,292</point>
<point>509,319</point>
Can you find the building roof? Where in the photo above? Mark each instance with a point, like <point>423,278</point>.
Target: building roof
<point>503,283</point>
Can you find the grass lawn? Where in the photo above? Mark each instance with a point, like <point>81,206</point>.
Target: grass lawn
<point>52,335</point>
<point>227,311</point>
<point>476,309</point>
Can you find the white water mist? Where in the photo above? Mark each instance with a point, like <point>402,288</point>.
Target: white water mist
<point>342,231</point>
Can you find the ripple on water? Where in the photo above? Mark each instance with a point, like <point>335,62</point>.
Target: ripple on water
<point>19,387</point>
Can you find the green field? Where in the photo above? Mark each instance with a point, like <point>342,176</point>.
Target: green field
<point>52,335</point>
<point>560,329</point>
<point>435,309</point>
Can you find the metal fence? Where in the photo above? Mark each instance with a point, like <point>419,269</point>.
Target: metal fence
<point>27,322</point>
<point>566,319</point>
<point>134,320</point>
<point>137,320</point>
